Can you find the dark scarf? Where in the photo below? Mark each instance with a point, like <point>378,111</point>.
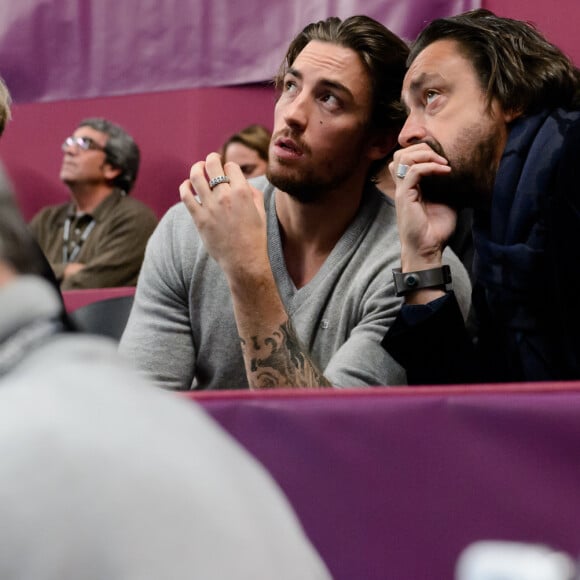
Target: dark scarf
<point>512,265</point>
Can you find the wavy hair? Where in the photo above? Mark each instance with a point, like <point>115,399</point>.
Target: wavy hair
<point>515,63</point>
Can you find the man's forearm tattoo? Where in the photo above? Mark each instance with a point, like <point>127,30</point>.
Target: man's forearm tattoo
<point>279,360</point>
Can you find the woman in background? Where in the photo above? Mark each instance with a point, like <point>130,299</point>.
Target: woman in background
<point>249,149</point>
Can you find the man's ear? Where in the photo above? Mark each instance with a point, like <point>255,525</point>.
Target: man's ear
<point>506,115</point>
<point>381,144</point>
<point>110,172</point>
<point>509,116</point>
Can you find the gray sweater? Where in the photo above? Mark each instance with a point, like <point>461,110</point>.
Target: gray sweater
<point>182,329</point>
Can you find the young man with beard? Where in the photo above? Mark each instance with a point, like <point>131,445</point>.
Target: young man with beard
<point>297,272</point>
<point>493,123</point>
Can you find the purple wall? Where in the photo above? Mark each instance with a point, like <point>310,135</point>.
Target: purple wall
<point>173,129</point>
<point>66,49</point>
<point>148,80</point>
<point>176,128</point>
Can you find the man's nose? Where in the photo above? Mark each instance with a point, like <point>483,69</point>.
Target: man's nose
<point>70,148</point>
<point>413,131</point>
<point>297,112</point>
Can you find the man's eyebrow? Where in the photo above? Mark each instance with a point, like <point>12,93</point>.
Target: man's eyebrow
<point>330,84</point>
<point>424,79</point>
<point>335,85</point>
<point>294,72</point>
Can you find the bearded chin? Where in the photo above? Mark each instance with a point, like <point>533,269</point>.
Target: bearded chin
<point>470,183</point>
<point>455,190</point>
<point>304,192</point>
<point>308,186</point>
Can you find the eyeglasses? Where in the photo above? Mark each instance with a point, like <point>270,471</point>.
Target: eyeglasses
<point>83,143</point>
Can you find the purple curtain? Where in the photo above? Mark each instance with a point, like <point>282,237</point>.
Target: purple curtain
<point>69,49</point>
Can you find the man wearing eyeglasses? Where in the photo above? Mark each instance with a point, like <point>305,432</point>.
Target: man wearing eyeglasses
<point>98,239</point>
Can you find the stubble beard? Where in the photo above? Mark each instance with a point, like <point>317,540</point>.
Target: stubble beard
<point>470,183</point>
<point>313,184</point>
<point>305,187</point>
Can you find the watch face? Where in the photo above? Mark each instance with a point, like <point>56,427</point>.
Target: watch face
<point>406,282</point>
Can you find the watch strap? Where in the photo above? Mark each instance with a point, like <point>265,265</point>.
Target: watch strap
<point>406,282</point>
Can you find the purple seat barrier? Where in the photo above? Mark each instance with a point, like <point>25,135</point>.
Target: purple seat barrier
<point>395,483</point>
<point>74,299</point>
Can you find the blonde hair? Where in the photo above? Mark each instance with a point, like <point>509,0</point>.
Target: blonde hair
<point>5,102</point>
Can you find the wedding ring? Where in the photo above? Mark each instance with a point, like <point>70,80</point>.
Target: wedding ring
<point>217,180</point>
<point>401,171</point>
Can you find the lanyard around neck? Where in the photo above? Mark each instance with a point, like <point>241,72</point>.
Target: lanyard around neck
<point>66,257</point>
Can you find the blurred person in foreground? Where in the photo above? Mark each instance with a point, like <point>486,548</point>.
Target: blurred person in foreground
<point>494,124</point>
<point>287,284</point>
<point>249,149</point>
<point>98,239</point>
<point>105,476</point>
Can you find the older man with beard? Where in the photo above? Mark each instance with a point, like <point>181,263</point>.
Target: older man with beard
<point>493,123</point>
<point>287,285</point>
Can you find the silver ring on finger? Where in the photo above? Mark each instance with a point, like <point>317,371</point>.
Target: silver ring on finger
<point>402,170</point>
<point>215,181</point>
